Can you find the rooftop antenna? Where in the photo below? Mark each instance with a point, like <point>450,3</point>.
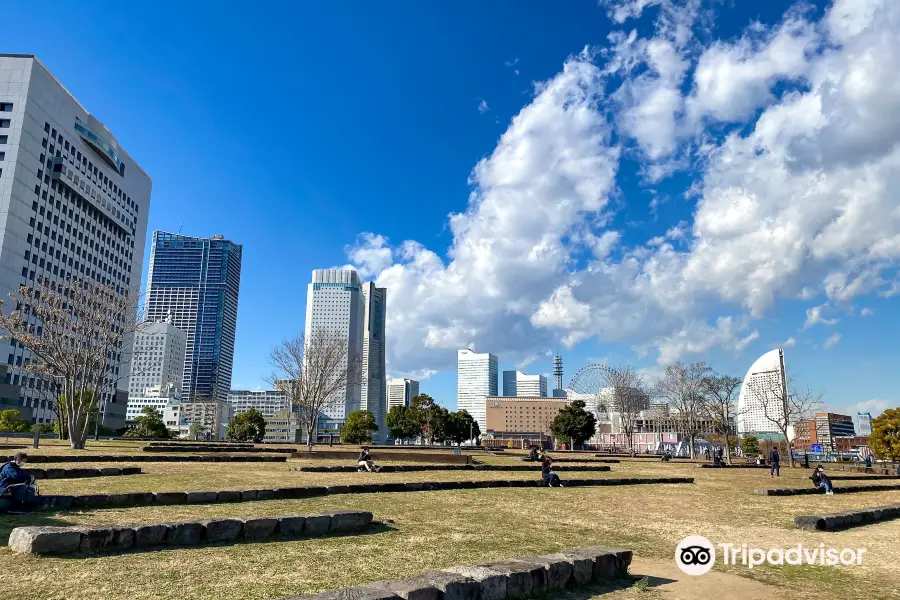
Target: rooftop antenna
<point>558,371</point>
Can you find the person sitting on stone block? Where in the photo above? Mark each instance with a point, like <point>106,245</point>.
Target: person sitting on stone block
<point>17,489</point>
<point>548,475</point>
<point>533,455</point>
<point>365,461</point>
<point>822,481</point>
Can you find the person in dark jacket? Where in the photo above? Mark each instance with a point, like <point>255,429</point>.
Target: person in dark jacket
<point>822,481</point>
<point>548,475</point>
<point>868,463</point>
<point>16,486</point>
<point>533,455</point>
<point>365,460</point>
<point>774,463</point>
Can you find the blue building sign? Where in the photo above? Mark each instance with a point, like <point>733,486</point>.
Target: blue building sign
<point>817,448</point>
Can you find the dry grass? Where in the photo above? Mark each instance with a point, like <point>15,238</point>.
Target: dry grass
<point>439,529</point>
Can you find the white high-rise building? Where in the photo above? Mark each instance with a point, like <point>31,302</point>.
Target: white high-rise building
<point>476,379</point>
<point>157,397</point>
<point>268,402</point>
<point>73,205</point>
<point>158,359</point>
<point>335,305</point>
<point>516,383</point>
<point>864,420</point>
<point>373,393</point>
<point>762,395</point>
<point>401,392</point>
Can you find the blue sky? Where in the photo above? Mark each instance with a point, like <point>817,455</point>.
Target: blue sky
<point>603,208</point>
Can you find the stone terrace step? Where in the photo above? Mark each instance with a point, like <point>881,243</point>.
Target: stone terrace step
<point>99,458</point>
<point>585,460</point>
<point>847,519</point>
<point>862,477</point>
<point>417,468</point>
<point>223,449</point>
<point>77,473</point>
<point>518,578</point>
<point>808,491</point>
<point>738,466</point>
<point>84,540</point>
<point>94,501</point>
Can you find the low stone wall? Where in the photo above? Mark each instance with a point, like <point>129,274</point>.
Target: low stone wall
<point>85,540</point>
<point>738,466</point>
<point>78,473</point>
<point>517,578</point>
<point>379,455</point>
<point>585,460</point>
<point>99,458</point>
<point>808,491</point>
<point>94,501</point>
<point>862,477</point>
<point>223,449</point>
<point>847,519</point>
<point>418,468</point>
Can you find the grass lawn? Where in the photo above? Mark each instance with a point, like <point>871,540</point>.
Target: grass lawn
<point>440,529</point>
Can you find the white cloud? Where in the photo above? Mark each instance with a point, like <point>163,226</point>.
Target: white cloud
<point>815,315</point>
<point>796,199</point>
<point>875,406</point>
<point>866,312</point>
<point>788,343</point>
<point>832,340</point>
<point>483,107</point>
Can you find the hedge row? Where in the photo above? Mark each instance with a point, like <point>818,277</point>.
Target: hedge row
<point>807,491</point>
<point>417,468</point>
<point>92,501</point>
<point>847,519</point>
<point>518,578</point>
<point>84,540</point>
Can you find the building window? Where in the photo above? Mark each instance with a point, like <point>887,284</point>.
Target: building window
<point>4,123</point>
<point>6,107</point>
<point>4,139</point>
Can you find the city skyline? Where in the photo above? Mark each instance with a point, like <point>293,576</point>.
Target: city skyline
<point>828,311</point>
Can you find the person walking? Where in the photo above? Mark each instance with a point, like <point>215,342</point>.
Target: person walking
<point>774,463</point>
<point>868,463</point>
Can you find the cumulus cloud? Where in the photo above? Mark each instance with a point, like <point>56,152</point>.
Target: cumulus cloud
<point>875,406</point>
<point>832,340</point>
<point>789,343</point>
<point>866,312</point>
<point>789,140</point>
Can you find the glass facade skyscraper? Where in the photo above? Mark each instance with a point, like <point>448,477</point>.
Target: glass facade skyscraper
<point>197,281</point>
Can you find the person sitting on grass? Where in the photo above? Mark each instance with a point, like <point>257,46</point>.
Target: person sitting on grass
<point>17,489</point>
<point>667,456</point>
<point>548,475</point>
<point>365,461</point>
<point>822,481</point>
<point>533,455</point>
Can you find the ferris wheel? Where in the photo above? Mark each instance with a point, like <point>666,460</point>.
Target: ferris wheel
<point>587,384</point>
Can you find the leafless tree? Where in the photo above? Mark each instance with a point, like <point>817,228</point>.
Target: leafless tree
<point>628,396</point>
<point>720,405</point>
<point>314,371</point>
<point>783,404</point>
<point>75,334</point>
<point>682,386</point>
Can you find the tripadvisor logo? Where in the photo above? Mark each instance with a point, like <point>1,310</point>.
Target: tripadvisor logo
<point>696,555</point>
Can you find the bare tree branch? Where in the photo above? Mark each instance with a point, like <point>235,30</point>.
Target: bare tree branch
<point>682,386</point>
<point>720,405</point>
<point>628,396</point>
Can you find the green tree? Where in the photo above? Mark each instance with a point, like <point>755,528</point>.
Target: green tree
<point>11,422</point>
<point>750,445</point>
<point>462,427</point>
<point>247,426</point>
<point>885,439</point>
<point>358,427</point>
<point>401,424</point>
<point>195,429</point>
<point>574,423</point>
<point>422,418</point>
<point>149,425</point>
<point>45,427</point>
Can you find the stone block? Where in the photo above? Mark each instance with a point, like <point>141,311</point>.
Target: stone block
<point>123,538</point>
<point>338,489</point>
<point>491,582</point>
<point>110,471</point>
<point>229,496</point>
<point>293,526</point>
<point>524,580</point>
<point>431,585</point>
<point>55,473</point>
<point>45,540</point>
<point>131,471</point>
<point>358,593</point>
<point>148,536</point>
<point>349,521</point>
<point>559,571</point>
<point>170,498</point>
<point>249,495</point>
<point>201,497</point>
<point>37,473</point>
<point>82,472</point>
<point>184,534</point>
<point>809,522</point>
<point>316,525</point>
<point>223,530</point>
<point>414,486</point>
<point>582,566</point>
<point>259,528</point>
<point>90,501</point>
<point>265,494</point>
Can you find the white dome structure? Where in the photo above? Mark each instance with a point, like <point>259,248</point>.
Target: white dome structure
<point>763,386</point>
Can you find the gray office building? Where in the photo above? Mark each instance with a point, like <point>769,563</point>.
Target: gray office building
<point>73,205</point>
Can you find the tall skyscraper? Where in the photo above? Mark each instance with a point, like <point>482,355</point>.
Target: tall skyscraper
<point>335,305</point>
<point>158,359</point>
<point>373,394</point>
<point>865,423</point>
<point>197,280</point>
<point>73,205</point>
<point>516,383</point>
<point>762,395</point>
<point>401,392</point>
<point>476,379</point>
